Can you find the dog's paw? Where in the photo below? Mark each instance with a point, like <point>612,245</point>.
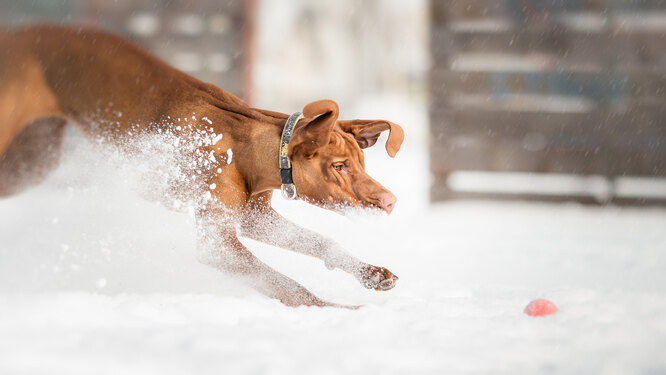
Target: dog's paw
<point>378,278</point>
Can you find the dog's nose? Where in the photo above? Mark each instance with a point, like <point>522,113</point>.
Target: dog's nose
<point>387,201</point>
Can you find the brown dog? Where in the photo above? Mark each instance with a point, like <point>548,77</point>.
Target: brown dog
<point>114,92</point>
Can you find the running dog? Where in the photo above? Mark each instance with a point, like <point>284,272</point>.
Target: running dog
<point>111,89</point>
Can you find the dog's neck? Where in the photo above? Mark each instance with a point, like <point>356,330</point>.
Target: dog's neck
<point>260,167</point>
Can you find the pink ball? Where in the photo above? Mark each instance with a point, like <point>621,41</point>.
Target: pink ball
<point>540,307</point>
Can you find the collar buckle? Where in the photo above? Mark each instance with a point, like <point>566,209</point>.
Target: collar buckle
<point>289,191</point>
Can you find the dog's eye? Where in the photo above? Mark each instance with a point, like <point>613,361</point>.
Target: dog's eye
<point>339,166</point>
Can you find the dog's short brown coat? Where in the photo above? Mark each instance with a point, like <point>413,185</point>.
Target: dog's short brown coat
<point>103,84</point>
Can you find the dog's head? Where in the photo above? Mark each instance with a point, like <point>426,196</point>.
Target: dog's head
<point>327,158</point>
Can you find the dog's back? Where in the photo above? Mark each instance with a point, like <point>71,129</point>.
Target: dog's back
<point>52,75</point>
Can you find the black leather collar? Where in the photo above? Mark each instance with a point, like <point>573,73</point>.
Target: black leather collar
<point>288,188</point>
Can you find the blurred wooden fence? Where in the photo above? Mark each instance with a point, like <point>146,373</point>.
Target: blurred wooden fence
<point>543,86</point>
<point>209,39</point>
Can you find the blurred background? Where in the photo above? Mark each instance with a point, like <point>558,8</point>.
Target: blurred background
<point>549,99</point>
<point>556,102</point>
<point>532,99</point>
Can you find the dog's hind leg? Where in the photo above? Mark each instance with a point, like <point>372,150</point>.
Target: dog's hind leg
<point>32,155</point>
<point>31,122</point>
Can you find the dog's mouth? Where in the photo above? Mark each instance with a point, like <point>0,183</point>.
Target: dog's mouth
<point>373,204</point>
<point>347,207</point>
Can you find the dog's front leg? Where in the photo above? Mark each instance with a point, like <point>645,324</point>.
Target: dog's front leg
<point>219,247</point>
<point>262,223</point>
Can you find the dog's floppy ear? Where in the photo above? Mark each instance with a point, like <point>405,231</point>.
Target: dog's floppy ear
<point>315,131</point>
<point>366,133</point>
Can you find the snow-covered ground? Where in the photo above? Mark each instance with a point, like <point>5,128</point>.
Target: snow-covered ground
<point>94,279</point>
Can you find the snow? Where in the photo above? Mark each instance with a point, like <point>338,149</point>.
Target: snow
<point>230,155</point>
<point>94,279</point>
